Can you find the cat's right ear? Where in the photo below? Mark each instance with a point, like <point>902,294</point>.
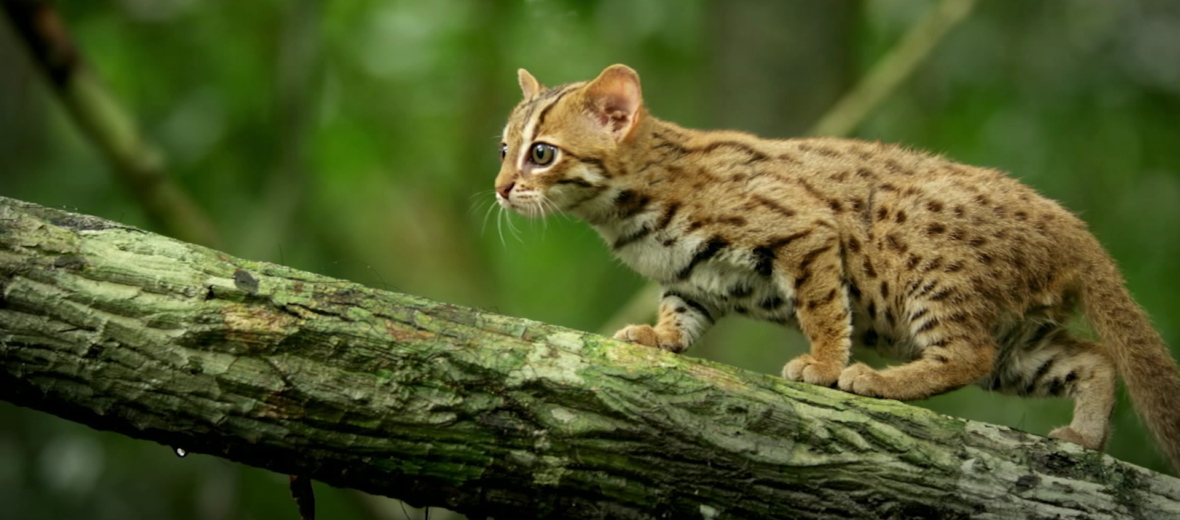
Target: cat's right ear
<point>614,99</point>
<point>529,85</point>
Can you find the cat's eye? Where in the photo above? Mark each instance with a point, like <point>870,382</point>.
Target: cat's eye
<point>503,151</point>
<point>542,154</point>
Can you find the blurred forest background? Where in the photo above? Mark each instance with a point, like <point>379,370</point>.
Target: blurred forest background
<point>358,139</point>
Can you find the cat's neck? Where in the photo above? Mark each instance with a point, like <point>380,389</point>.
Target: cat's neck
<point>636,167</point>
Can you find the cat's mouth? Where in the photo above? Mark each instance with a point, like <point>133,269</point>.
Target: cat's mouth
<point>529,204</point>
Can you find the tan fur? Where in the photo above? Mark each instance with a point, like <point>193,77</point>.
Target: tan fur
<point>962,272</point>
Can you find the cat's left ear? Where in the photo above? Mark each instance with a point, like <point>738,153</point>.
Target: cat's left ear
<point>615,100</point>
<point>529,85</point>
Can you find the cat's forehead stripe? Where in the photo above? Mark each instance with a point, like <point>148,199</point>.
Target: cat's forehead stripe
<point>557,96</point>
<point>546,100</point>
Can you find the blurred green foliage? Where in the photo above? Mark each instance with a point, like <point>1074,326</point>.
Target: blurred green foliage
<point>358,139</point>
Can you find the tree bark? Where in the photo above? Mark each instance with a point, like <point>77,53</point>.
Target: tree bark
<point>492,416</point>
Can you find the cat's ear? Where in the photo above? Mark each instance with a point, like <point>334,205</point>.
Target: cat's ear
<point>529,85</point>
<point>614,99</point>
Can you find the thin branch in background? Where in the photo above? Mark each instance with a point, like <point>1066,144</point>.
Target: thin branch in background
<point>297,69</point>
<point>136,163</point>
<point>844,117</point>
<point>892,69</point>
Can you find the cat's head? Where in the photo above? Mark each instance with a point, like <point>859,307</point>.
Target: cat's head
<point>560,143</point>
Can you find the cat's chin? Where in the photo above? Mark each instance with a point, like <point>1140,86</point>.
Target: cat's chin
<point>531,212</point>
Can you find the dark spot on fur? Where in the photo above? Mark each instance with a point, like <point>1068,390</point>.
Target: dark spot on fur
<point>630,203</point>
<point>774,206</point>
<point>708,250</point>
<point>869,338</point>
<point>631,238</point>
<point>667,216</point>
<point>928,325</point>
<point>868,267</point>
<point>802,279</point>
<point>912,262</point>
<point>771,303</point>
<point>935,229</point>
<point>691,303</point>
<point>934,206</point>
<point>741,291</point>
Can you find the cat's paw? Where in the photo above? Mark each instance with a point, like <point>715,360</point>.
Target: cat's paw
<point>808,370</point>
<point>861,379</point>
<point>641,334</point>
<point>1066,433</point>
<point>648,335</point>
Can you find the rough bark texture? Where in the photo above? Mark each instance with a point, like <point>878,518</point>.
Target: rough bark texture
<point>128,331</point>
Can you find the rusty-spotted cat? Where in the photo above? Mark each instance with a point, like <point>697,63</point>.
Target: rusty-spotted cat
<point>962,272</point>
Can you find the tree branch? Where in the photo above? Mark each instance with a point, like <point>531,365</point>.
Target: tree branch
<point>392,394</point>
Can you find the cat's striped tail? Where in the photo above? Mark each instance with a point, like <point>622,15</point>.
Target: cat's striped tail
<point>1139,353</point>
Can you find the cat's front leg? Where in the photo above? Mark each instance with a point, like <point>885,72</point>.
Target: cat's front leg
<point>681,321</point>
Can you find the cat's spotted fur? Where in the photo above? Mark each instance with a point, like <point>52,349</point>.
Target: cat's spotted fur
<point>962,272</point>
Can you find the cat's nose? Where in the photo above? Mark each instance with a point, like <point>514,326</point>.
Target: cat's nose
<point>505,189</point>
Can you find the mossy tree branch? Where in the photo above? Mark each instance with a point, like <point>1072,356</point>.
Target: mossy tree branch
<point>492,416</point>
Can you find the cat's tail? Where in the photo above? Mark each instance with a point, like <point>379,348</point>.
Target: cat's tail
<point>1139,354</point>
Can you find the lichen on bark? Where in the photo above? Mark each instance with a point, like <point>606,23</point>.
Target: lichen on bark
<point>489,415</point>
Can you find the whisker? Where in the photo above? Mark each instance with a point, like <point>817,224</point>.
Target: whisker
<point>500,226</point>
<point>556,210</point>
<point>539,209</point>
<point>483,195</point>
<point>512,228</point>
<point>484,227</point>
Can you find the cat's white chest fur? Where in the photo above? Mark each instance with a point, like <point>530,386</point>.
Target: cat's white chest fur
<point>725,282</point>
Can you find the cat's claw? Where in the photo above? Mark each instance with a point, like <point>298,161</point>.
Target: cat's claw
<point>808,370</point>
<point>1068,434</point>
<point>647,335</point>
<point>861,379</point>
